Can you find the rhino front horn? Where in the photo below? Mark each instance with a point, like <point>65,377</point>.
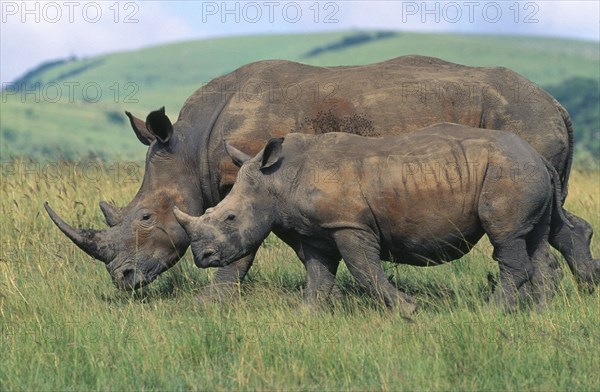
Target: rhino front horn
<point>92,242</point>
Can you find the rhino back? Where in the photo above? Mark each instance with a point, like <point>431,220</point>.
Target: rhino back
<point>272,98</point>
<point>418,193</point>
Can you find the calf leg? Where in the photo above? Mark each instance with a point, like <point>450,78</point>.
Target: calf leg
<point>574,244</point>
<point>321,268</point>
<point>547,274</point>
<point>516,268</point>
<point>546,277</point>
<point>361,253</point>
<point>226,281</point>
<point>320,279</point>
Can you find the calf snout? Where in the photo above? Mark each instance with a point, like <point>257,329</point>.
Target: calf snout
<point>207,258</point>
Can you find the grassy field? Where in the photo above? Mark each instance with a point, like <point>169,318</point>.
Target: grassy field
<point>78,106</point>
<point>63,326</point>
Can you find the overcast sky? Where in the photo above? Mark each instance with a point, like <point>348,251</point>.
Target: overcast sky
<point>36,31</point>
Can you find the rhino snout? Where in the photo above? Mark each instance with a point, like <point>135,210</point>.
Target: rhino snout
<point>207,258</point>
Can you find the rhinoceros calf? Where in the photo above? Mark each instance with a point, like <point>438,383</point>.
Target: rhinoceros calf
<point>423,198</point>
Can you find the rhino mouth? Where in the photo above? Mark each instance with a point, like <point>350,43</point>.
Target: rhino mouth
<point>208,258</point>
<point>130,278</point>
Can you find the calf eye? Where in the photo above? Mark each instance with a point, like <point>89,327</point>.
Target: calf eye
<point>230,217</point>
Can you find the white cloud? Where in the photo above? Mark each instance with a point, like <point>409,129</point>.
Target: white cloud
<point>573,19</point>
<point>29,38</point>
<point>23,45</point>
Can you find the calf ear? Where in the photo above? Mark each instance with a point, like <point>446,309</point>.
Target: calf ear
<point>272,152</point>
<point>140,129</point>
<point>238,157</point>
<point>159,125</point>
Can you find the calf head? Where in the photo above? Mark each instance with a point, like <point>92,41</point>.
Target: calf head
<point>144,238</point>
<point>242,220</point>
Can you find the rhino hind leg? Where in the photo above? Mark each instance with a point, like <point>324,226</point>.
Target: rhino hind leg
<point>362,257</point>
<point>546,277</point>
<point>516,269</point>
<point>574,244</point>
<point>547,273</point>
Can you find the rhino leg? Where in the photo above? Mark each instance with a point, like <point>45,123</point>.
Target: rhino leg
<point>226,282</point>
<point>574,244</point>
<point>516,269</point>
<point>320,273</point>
<point>546,273</point>
<point>546,277</point>
<point>321,268</point>
<point>361,254</point>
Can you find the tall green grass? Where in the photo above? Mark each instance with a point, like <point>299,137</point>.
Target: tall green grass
<point>63,326</point>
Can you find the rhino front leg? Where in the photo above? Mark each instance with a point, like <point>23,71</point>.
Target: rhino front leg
<point>574,244</point>
<point>361,253</point>
<point>226,282</point>
<point>320,277</point>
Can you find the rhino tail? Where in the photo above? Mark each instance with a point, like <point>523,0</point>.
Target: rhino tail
<point>569,162</point>
<point>557,190</point>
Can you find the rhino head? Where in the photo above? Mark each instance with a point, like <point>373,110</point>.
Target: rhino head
<point>144,239</point>
<point>243,219</point>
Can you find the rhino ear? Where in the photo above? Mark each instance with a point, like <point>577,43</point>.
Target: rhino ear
<point>140,129</point>
<point>238,157</point>
<point>159,125</point>
<point>272,152</point>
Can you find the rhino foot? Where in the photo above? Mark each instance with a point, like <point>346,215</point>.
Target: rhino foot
<point>590,279</point>
<point>405,305</point>
<point>322,300</point>
<point>217,294</point>
<point>543,284</point>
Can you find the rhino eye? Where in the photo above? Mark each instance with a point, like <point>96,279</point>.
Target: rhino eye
<point>146,217</point>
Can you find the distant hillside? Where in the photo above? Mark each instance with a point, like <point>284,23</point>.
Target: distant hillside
<point>74,107</point>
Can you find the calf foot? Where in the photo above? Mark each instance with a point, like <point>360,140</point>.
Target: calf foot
<point>544,283</point>
<point>322,298</point>
<point>405,305</point>
<point>216,293</point>
<point>500,300</point>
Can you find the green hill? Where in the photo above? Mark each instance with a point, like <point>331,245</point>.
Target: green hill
<point>74,107</point>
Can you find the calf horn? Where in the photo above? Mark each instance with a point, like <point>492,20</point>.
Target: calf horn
<point>93,242</point>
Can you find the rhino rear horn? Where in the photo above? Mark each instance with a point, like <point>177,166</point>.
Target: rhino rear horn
<point>184,220</point>
<point>112,214</point>
<point>238,157</point>
<point>93,242</point>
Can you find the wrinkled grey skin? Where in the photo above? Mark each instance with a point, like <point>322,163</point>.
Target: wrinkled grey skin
<point>422,199</point>
<point>187,166</point>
